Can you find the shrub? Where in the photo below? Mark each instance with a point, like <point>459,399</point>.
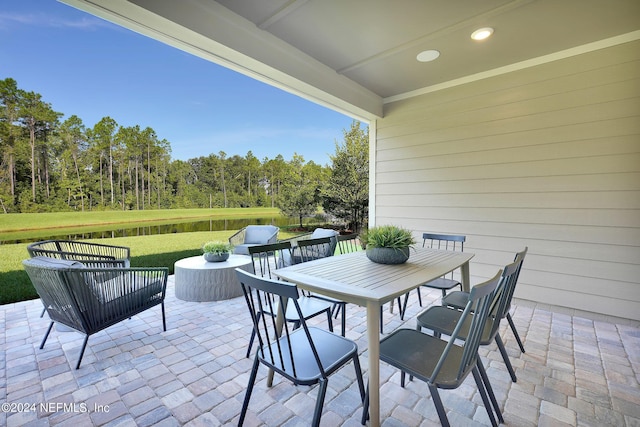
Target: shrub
<point>388,236</point>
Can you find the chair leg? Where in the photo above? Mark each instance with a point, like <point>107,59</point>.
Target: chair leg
<point>84,346</point>
<point>329,319</point>
<point>483,393</point>
<point>442,414</point>
<point>253,336</point>
<point>404,306</point>
<point>247,395</point>
<point>381,321</point>
<point>365,407</point>
<point>322,391</point>
<point>358,369</point>
<point>46,335</point>
<point>401,308</point>
<point>336,309</point>
<point>505,357</point>
<point>515,333</point>
<point>164,320</point>
<point>344,319</point>
<point>487,386</point>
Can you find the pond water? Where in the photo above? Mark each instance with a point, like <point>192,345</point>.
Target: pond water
<point>124,230</point>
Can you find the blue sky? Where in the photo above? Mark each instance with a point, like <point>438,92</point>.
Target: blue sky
<point>86,66</point>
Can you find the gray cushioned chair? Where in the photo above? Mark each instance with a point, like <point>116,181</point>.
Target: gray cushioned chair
<point>253,235</point>
<point>89,299</point>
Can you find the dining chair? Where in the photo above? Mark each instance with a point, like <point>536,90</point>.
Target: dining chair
<point>456,300</point>
<point>306,355</point>
<point>439,363</point>
<point>318,233</point>
<point>310,250</point>
<point>266,259</point>
<point>442,320</point>
<point>348,243</point>
<point>449,242</point>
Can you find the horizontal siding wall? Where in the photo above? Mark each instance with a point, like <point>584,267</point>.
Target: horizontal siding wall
<point>547,157</point>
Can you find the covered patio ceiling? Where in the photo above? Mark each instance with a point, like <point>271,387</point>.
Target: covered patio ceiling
<point>356,55</point>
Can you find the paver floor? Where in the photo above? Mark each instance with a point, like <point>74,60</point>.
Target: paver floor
<point>578,370</point>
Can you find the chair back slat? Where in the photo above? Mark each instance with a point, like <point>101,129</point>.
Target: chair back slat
<point>266,258</point>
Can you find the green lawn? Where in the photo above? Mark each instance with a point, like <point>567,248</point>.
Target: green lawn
<point>35,225</point>
<point>159,250</point>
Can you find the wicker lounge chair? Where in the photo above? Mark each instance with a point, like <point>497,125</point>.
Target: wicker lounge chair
<point>90,299</point>
<point>81,251</point>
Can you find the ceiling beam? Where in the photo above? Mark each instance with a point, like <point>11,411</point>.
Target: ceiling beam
<point>207,29</point>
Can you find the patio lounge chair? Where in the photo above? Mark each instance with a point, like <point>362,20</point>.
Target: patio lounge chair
<point>117,256</point>
<point>89,299</point>
<point>74,250</point>
<point>253,235</point>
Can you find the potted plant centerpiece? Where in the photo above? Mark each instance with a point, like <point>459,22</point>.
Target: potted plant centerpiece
<point>388,244</point>
<point>216,251</point>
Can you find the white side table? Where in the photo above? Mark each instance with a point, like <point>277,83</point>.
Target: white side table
<point>199,280</point>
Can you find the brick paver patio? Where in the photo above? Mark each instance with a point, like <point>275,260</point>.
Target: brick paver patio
<point>578,370</point>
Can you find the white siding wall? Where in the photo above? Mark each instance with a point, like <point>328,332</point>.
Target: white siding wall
<point>547,157</point>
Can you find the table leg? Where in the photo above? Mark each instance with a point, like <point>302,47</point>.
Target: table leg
<point>373,322</point>
<point>466,280</point>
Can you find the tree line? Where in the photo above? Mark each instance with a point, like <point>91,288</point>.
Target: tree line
<point>50,164</point>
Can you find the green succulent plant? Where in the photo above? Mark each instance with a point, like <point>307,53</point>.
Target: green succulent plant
<point>388,236</point>
<point>217,247</point>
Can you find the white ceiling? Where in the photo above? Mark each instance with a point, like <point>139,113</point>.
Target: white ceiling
<point>355,55</point>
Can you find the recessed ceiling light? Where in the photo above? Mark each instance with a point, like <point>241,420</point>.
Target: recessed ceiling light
<point>428,55</point>
<point>482,33</point>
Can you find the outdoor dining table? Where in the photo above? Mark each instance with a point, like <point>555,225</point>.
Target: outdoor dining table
<point>353,278</point>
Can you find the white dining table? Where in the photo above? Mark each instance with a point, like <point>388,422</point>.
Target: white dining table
<point>355,279</point>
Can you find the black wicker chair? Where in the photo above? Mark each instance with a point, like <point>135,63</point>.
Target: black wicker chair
<point>76,250</point>
<point>89,299</point>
